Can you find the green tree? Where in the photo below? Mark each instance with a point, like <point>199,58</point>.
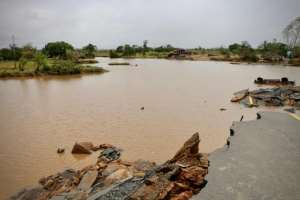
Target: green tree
<point>57,49</point>
<point>22,63</point>
<point>90,50</point>
<point>41,61</point>
<point>72,55</point>
<point>28,51</point>
<point>272,50</point>
<point>145,47</point>
<point>113,54</point>
<point>120,49</point>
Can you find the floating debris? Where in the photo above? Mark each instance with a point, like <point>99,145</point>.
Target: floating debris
<point>240,95</point>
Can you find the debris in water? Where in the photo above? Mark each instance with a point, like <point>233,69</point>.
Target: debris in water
<point>282,81</point>
<point>60,150</point>
<point>277,96</point>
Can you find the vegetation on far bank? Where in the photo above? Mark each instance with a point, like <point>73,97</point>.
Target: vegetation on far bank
<point>56,58</point>
<point>62,58</point>
<point>267,52</point>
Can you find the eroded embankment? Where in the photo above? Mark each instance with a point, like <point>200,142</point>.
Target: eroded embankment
<point>111,178</point>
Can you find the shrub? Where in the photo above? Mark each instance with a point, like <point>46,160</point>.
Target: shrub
<point>113,54</point>
<point>61,67</point>
<point>57,49</point>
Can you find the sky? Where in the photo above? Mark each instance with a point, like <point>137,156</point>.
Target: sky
<point>110,23</point>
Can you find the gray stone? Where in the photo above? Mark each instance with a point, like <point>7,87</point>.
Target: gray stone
<point>87,180</point>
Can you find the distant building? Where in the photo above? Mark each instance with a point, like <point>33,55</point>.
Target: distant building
<point>179,52</point>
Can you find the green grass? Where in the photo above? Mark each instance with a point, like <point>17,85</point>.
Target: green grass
<point>54,67</point>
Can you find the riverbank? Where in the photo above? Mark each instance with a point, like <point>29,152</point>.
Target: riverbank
<point>260,162</point>
<point>10,69</point>
<point>196,56</point>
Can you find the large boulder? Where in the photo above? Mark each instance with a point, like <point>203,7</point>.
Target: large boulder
<point>82,148</point>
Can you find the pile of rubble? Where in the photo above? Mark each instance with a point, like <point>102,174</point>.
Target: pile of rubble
<point>276,96</point>
<point>111,178</point>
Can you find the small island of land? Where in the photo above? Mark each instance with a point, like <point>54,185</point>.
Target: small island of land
<point>58,58</point>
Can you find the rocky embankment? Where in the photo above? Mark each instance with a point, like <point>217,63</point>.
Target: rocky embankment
<point>112,178</point>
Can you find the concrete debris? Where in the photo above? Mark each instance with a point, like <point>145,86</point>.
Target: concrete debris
<point>277,96</point>
<point>110,154</point>
<point>111,178</point>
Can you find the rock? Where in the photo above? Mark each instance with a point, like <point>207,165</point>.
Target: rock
<point>110,154</point>
<point>190,149</point>
<point>117,176</point>
<point>222,109</point>
<point>102,146</point>
<point>142,165</point>
<point>87,180</point>
<point>142,108</point>
<point>29,194</point>
<point>60,150</point>
<point>240,95</point>
<point>112,178</point>
<point>183,196</point>
<point>111,168</point>
<point>82,148</point>
<point>291,110</point>
<point>71,196</point>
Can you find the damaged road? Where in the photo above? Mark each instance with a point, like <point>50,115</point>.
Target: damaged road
<point>262,161</point>
<point>111,178</point>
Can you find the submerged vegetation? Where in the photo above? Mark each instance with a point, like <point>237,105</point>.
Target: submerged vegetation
<point>56,58</point>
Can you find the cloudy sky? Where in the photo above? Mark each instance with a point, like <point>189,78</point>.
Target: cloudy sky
<point>108,23</point>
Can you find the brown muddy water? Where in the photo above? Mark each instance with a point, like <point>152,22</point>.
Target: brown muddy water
<point>38,115</point>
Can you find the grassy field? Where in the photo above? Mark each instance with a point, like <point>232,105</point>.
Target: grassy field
<point>54,67</point>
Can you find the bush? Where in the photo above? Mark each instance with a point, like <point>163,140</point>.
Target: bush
<point>41,61</point>
<point>57,49</point>
<point>249,56</point>
<point>89,50</point>
<point>61,67</point>
<point>10,53</point>
<point>113,54</point>
<point>28,52</point>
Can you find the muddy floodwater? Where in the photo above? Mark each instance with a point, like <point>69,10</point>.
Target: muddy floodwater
<point>38,115</point>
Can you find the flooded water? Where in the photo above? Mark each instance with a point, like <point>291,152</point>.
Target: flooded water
<point>39,115</point>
